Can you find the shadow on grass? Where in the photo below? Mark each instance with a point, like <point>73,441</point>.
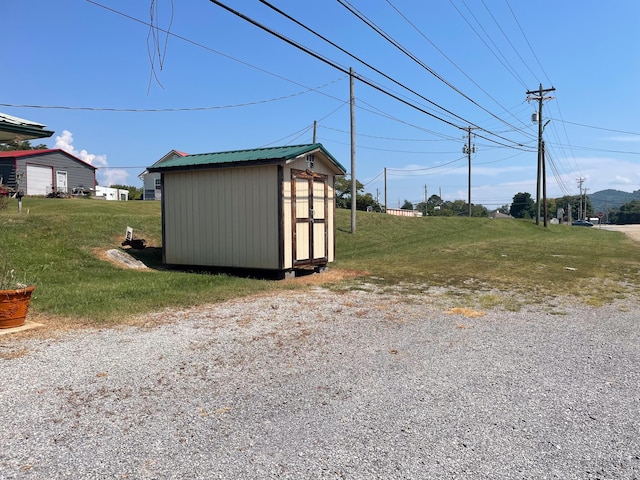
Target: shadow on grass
<point>152,258</point>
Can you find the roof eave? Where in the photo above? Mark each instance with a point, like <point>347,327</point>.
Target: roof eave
<point>10,131</point>
<point>211,166</point>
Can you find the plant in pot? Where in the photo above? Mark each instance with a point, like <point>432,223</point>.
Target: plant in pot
<point>15,295</point>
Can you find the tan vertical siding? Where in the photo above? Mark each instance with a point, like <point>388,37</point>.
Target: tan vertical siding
<point>222,217</point>
<point>331,225</point>
<point>287,227</point>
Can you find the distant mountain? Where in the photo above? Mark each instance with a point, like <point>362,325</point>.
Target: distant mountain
<point>604,200</point>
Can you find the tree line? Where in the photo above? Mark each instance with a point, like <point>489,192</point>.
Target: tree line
<point>566,208</point>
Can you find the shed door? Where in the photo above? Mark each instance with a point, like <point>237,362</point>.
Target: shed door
<point>39,180</point>
<point>310,210</point>
<point>61,181</point>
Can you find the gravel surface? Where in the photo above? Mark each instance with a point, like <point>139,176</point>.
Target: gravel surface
<point>315,384</point>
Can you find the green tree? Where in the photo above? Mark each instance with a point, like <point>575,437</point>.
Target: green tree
<point>627,213</point>
<point>343,191</point>
<point>433,205</point>
<point>343,195</point>
<point>407,205</point>
<point>523,206</point>
<point>12,145</point>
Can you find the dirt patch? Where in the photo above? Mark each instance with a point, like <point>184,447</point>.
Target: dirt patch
<point>632,231</point>
<point>54,325</point>
<point>330,276</point>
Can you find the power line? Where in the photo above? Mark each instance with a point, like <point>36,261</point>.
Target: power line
<point>507,38</point>
<point>359,77</point>
<point>389,138</point>
<point>328,61</point>
<point>413,57</point>
<point>406,19</point>
<point>426,168</point>
<point>378,112</point>
<point>528,43</point>
<point>358,59</point>
<point>204,47</point>
<point>177,109</point>
<point>596,128</point>
<point>506,66</point>
<point>289,17</point>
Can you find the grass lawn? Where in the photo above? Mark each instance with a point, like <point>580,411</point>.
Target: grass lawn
<point>58,244</point>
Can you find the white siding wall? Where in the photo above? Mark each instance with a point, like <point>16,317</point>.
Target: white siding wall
<point>222,217</point>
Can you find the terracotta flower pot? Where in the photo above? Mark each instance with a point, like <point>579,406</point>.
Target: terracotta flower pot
<point>14,305</point>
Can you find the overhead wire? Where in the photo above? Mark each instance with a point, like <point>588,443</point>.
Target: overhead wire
<point>462,71</point>
<point>354,57</point>
<point>358,76</point>
<point>624,132</point>
<point>505,63</point>
<point>204,47</point>
<point>528,43</point>
<point>287,79</point>
<point>368,65</point>
<point>388,138</point>
<point>413,57</point>
<point>376,111</point>
<point>176,109</point>
<point>507,38</point>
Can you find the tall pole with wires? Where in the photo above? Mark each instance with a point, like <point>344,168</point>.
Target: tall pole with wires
<point>540,97</point>
<point>469,149</point>
<point>353,152</point>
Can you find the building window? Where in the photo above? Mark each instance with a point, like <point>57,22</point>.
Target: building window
<point>157,184</point>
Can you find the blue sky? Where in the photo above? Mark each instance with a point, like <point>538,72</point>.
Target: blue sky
<point>230,85</point>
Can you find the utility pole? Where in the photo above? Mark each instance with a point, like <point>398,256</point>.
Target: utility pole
<point>468,149</point>
<point>584,210</point>
<point>544,186</point>
<point>540,97</point>
<point>315,127</point>
<point>544,179</point>
<point>353,151</point>
<point>385,189</point>
<point>426,210</point>
<point>580,181</point>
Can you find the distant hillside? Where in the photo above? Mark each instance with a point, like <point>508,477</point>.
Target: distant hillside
<point>605,200</point>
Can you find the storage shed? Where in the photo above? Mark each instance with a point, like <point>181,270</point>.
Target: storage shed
<point>261,209</point>
<point>41,172</point>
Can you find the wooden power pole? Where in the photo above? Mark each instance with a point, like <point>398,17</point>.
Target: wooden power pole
<point>540,97</point>
<point>353,152</point>
<point>468,149</point>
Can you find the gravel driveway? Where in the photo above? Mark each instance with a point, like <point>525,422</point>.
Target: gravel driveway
<point>316,384</point>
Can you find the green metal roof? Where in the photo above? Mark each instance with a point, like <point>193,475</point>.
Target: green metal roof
<point>243,157</point>
<point>12,127</point>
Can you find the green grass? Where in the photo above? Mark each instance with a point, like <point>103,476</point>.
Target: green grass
<point>483,254</point>
<point>56,244</point>
<point>494,262</point>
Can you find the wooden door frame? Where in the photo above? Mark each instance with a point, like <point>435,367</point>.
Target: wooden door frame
<point>311,177</point>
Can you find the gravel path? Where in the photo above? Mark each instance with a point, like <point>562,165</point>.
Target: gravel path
<point>315,385</point>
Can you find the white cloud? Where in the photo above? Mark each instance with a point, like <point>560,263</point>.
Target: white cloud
<point>114,177</point>
<point>105,176</point>
<point>627,138</point>
<point>622,179</point>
